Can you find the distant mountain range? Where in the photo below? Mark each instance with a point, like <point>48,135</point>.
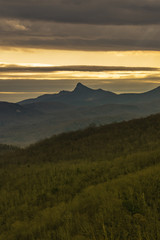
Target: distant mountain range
<point>33,119</point>
<point>83,95</point>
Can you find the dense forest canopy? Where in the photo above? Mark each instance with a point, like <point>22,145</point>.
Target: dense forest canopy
<point>101,183</point>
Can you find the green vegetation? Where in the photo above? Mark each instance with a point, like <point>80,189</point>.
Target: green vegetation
<point>101,183</point>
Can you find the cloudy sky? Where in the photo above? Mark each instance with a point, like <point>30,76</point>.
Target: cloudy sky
<point>47,46</point>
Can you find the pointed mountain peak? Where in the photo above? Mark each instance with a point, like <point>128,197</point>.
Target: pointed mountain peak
<point>80,87</point>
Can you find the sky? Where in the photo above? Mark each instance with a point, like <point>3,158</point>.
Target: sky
<point>48,46</point>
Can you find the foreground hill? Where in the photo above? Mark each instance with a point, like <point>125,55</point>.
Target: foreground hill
<point>98,183</point>
<point>34,119</point>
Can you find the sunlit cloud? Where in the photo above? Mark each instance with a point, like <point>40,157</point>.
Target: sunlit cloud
<point>74,72</point>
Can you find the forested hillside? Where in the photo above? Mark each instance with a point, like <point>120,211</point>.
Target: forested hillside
<point>101,183</point>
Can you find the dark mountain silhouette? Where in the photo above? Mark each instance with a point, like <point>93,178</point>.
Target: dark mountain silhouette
<point>83,95</point>
<point>15,111</point>
<point>10,108</point>
<point>46,107</point>
<point>34,119</point>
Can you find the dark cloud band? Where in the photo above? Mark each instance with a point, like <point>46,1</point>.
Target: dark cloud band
<point>93,25</point>
<point>17,68</point>
<point>48,35</point>
<point>101,12</point>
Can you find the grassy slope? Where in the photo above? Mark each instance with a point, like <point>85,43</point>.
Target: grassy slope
<point>95,184</point>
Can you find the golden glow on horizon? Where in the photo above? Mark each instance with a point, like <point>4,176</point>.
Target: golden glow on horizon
<point>79,75</point>
<point>19,93</point>
<point>38,57</point>
<point>44,58</point>
<point>116,81</point>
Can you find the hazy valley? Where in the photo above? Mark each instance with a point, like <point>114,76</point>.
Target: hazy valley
<point>34,119</point>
